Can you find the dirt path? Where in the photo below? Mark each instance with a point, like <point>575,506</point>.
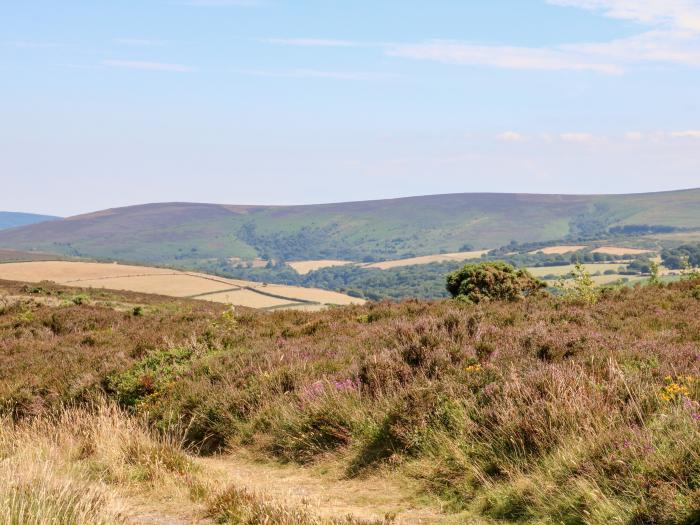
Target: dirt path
<point>325,494</point>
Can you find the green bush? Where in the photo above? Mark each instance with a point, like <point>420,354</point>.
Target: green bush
<point>491,280</point>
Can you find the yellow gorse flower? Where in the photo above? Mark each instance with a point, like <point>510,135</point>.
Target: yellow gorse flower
<point>676,389</point>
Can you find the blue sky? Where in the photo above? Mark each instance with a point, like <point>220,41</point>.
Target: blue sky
<point>106,103</point>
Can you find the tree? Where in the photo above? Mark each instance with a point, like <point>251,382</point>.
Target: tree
<point>491,281</point>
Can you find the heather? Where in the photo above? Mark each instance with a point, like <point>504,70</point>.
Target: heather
<point>542,410</point>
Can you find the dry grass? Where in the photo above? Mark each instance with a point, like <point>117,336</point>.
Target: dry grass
<point>173,284</point>
<point>557,250</point>
<point>304,267</point>
<point>78,467</point>
<point>426,259</point>
<point>618,250</point>
<point>98,465</point>
<point>168,282</point>
<point>243,297</point>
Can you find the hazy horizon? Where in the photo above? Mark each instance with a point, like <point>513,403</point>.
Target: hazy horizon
<point>278,103</point>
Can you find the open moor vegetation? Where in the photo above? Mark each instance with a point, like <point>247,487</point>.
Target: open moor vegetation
<point>583,408</point>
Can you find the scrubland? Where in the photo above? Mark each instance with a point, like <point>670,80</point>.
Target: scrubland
<point>546,410</point>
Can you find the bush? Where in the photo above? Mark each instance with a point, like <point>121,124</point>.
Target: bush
<point>491,280</point>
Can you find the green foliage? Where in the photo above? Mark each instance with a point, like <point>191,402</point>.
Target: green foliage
<point>683,257</point>
<point>653,272</point>
<point>149,376</point>
<point>491,280</point>
<point>580,286</point>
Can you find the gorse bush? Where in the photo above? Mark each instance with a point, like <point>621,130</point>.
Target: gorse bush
<point>492,280</point>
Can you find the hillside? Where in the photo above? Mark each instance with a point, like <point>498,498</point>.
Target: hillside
<point>9,219</point>
<point>544,410</point>
<point>183,233</point>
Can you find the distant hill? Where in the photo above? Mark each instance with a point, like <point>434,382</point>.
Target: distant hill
<point>181,233</point>
<point>9,219</point>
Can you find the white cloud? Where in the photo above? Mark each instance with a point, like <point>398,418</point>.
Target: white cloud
<point>313,73</point>
<point>315,42</point>
<point>510,136</point>
<point>672,36</point>
<point>29,44</point>
<point>681,14</point>
<point>688,134</point>
<point>576,137</point>
<point>507,57</point>
<point>635,135</point>
<point>148,66</point>
<point>138,42</point>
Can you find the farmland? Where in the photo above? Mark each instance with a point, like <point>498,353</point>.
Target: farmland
<point>173,283</point>
<point>426,259</point>
<point>304,267</point>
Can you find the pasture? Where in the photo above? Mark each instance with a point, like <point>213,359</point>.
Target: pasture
<point>173,283</point>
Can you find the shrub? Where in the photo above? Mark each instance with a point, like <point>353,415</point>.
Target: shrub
<point>491,280</point>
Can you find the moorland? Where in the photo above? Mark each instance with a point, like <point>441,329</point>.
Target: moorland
<point>123,407</point>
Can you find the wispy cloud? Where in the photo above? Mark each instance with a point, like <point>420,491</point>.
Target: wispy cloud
<point>688,134</point>
<point>577,137</point>
<point>313,73</point>
<point>510,136</point>
<point>635,135</point>
<point>148,66</point>
<point>671,36</point>
<point>30,44</point>
<point>507,57</point>
<point>681,14</point>
<point>138,42</point>
<point>316,42</point>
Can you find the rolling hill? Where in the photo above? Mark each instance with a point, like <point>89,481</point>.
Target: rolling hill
<point>9,219</point>
<point>182,233</point>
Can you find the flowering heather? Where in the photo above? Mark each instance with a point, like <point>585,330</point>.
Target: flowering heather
<point>545,410</point>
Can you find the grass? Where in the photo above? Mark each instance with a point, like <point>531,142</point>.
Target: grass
<point>546,410</point>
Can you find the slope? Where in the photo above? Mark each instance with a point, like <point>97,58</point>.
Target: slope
<point>9,219</point>
<point>185,233</point>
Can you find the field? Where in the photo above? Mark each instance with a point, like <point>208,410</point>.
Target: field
<point>617,250</point>
<point>426,259</point>
<point>543,411</point>
<point>304,267</point>
<point>556,250</point>
<point>173,283</point>
<point>565,270</point>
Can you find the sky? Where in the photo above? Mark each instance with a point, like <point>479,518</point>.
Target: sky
<point>106,103</point>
